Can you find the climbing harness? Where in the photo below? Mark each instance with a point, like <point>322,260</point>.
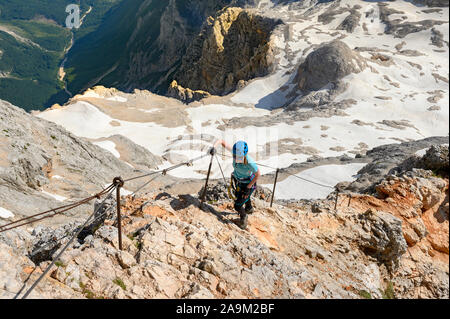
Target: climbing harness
<point>242,193</point>
<point>232,188</point>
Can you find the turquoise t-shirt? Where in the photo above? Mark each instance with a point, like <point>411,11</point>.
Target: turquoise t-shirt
<point>243,171</point>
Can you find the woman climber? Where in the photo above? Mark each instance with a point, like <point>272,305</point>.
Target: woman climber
<point>245,176</point>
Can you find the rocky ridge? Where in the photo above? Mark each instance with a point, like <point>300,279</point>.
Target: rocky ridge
<point>186,95</point>
<point>232,47</point>
<point>392,244</point>
<point>41,163</point>
<point>433,3</point>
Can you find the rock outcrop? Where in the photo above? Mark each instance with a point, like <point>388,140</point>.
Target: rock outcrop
<point>435,159</point>
<point>433,3</point>
<point>385,237</point>
<point>397,159</point>
<point>37,156</point>
<point>233,46</point>
<point>185,95</point>
<point>352,20</point>
<point>401,29</point>
<point>328,64</point>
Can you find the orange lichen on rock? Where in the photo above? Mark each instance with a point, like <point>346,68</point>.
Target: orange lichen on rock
<point>423,206</point>
<point>263,233</point>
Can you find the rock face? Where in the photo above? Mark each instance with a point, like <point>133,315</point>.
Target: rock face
<point>185,95</point>
<point>385,239</point>
<point>398,158</point>
<point>433,3</point>
<point>233,46</point>
<point>175,249</point>
<point>37,156</point>
<point>328,64</point>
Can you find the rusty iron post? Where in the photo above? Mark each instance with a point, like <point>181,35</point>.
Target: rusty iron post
<point>336,202</point>
<point>118,181</point>
<point>274,187</point>
<point>207,179</point>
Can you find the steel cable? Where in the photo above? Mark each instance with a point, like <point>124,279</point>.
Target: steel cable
<point>167,169</point>
<point>55,211</point>
<point>283,172</point>
<point>67,245</point>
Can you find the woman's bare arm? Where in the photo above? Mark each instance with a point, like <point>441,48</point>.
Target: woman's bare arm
<point>224,144</point>
<point>255,179</point>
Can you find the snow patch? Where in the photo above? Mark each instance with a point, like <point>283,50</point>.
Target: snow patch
<point>54,196</point>
<point>117,99</point>
<point>5,214</point>
<point>210,112</point>
<point>264,93</point>
<point>109,146</point>
<point>294,188</point>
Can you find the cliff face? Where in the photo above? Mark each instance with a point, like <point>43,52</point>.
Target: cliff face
<point>41,162</point>
<point>234,46</point>
<point>141,44</point>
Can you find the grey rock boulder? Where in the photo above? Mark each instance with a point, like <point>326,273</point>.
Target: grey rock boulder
<point>383,238</point>
<point>329,63</point>
<point>432,3</point>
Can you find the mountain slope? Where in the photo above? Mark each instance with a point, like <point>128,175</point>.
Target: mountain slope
<point>43,165</point>
<point>140,45</point>
<point>175,248</point>
<point>33,43</point>
<point>303,110</point>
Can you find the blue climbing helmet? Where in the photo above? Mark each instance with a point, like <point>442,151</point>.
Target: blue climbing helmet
<point>240,150</point>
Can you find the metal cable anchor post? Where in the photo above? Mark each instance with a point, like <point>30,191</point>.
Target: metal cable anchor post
<point>274,187</point>
<point>212,152</point>
<point>119,183</point>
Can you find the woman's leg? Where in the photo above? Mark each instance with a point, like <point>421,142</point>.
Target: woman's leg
<point>241,201</point>
<point>249,207</point>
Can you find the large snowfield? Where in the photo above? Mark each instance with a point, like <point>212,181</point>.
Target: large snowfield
<point>397,92</point>
<point>295,188</point>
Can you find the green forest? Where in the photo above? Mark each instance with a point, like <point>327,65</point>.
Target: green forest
<point>99,51</point>
<point>33,42</point>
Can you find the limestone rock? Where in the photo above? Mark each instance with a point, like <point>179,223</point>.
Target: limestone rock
<point>186,95</point>
<point>126,260</point>
<point>234,46</point>
<point>433,3</point>
<point>329,63</point>
<point>385,237</point>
